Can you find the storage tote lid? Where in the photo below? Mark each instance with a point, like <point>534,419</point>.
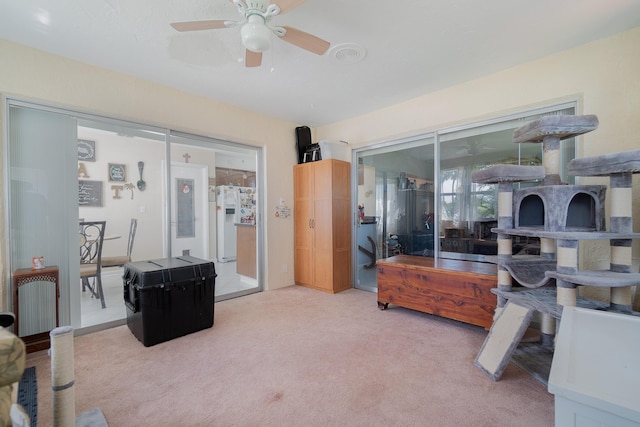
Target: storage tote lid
<point>596,361</point>
<point>167,270</point>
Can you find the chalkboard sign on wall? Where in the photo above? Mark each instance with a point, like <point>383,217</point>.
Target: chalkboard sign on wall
<point>117,172</point>
<point>86,150</point>
<point>89,193</point>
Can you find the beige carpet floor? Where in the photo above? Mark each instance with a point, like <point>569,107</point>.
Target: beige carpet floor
<point>300,357</point>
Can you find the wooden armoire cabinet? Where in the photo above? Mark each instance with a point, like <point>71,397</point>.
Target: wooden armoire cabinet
<point>322,225</point>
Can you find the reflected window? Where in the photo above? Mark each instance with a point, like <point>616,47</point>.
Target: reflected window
<point>451,188</point>
<point>484,200</point>
<point>469,210</point>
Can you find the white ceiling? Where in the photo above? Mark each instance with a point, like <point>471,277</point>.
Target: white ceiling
<point>412,47</point>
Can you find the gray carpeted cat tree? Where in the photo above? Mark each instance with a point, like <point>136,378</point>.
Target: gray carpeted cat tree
<point>560,216</point>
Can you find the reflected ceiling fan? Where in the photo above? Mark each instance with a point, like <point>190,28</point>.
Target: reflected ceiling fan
<point>473,148</point>
<point>256,29</point>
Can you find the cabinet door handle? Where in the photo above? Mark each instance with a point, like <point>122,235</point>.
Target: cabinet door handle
<point>313,223</point>
<point>310,223</point>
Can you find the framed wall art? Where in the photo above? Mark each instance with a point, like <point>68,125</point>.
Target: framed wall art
<point>117,172</point>
<point>89,193</point>
<point>86,150</point>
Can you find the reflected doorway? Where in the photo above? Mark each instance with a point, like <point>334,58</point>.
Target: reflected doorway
<point>190,212</point>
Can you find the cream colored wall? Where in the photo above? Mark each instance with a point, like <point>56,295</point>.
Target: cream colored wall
<point>42,77</point>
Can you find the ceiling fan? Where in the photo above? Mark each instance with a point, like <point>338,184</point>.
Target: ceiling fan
<point>256,29</point>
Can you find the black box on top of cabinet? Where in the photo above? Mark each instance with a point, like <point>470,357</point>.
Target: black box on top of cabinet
<point>168,298</point>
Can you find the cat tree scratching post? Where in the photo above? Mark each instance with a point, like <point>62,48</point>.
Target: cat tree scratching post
<point>63,377</point>
<point>505,247</point>
<point>621,221</point>
<point>567,263</point>
<point>551,164</point>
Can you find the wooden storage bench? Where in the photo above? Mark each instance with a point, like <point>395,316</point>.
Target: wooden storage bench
<point>454,289</point>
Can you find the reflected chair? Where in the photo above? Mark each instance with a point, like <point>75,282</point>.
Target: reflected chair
<point>119,261</point>
<point>91,242</point>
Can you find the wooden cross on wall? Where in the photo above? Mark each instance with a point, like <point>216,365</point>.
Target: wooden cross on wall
<point>186,157</point>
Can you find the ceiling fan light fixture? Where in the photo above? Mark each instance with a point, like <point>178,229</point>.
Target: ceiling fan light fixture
<point>256,36</point>
<point>256,30</point>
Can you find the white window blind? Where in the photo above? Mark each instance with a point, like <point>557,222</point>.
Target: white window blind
<point>43,197</point>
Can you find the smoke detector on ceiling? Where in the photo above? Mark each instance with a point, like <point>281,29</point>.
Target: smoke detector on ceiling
<point>348,53</point>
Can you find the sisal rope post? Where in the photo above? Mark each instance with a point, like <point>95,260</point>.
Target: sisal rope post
<point>547,248</point>
<point>547,330</point>
<point>505,246</point>
<point>548,323</point>
<point>621,221</point>
<point>63,377</point>
<point>567,256</point>
<point>551,159</point>
<point>567,296</point>
<point>566,292</point>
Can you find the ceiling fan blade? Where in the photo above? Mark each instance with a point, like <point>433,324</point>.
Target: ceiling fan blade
<point>199,25</point>
<point>287,5</point>
<point>306,41</point>
<point>252,59</point>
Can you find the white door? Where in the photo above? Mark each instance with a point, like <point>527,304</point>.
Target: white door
<point>189,210</point>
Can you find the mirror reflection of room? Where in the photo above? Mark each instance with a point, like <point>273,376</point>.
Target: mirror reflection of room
<point>407,210</point>
<point>395,189</point>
